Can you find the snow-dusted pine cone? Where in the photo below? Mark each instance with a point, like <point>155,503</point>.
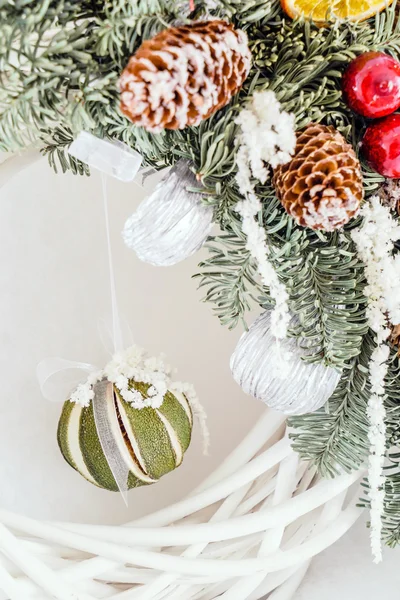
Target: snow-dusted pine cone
<point>321,187</point>
<point>389,192</point>
<point>184,74</point>
<point>394,338</point>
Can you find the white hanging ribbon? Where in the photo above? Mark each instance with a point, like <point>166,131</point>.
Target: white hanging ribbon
<point>116,323</point>
<point>58,377</point>
<point>104,414</point>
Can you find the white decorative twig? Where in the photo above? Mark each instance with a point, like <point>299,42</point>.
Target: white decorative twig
<point>267,139</point>
<point>377,438</point>
<point>375,243</point>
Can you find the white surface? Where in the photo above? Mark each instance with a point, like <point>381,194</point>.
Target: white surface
<point>346,571</point>
<point>53,288</point>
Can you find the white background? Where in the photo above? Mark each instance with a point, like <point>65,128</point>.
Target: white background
<point>53,289</point>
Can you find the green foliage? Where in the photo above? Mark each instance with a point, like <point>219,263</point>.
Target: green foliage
<point>391,517</point>
<point>326,293</point>
<point>230,276</point>
<point>60,61</point>
<point>56,143</point>
<point>122,25</point>
<point>336,436</point>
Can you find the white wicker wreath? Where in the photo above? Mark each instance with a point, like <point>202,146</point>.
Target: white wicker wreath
<point>249,531</point>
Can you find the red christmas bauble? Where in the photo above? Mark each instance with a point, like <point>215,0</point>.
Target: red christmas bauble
<point>381,146</point>
<point>371,85</point>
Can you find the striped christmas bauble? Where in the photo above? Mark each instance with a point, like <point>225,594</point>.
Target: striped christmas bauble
<point>152,441</point>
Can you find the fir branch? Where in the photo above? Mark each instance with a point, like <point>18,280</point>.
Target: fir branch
<point>249,11</point>
<point>56,147</point>
<point>40,66</point>
<point>123,25</point>
<point>391,516</point>
<point>230,276</point>
<point>327,297</point>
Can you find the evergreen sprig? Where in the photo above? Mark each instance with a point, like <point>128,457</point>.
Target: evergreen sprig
<point>337,436</point>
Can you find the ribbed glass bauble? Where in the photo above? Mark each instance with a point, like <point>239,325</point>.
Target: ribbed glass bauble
<point>295,388</point>
<point>172,223</point>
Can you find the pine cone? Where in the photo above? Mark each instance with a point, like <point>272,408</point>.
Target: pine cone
<point>394,338</point>
<point>184,74</point>
<point>389,193</point>
<point>321,187</point>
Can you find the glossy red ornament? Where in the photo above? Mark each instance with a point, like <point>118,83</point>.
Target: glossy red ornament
<point>381,146</point>
<point>371,85</point>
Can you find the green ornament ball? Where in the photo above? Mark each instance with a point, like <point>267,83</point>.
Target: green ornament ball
<point>152,440</point>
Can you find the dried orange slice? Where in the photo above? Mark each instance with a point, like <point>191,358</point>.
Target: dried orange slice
<point>320,10</point>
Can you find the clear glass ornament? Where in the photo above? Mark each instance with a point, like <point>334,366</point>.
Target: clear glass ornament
<point>294,387</point>
<point>111,157</point>
<point>172,223</point>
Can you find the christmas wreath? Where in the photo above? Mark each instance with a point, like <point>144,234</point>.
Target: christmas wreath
<point>280,123</point>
